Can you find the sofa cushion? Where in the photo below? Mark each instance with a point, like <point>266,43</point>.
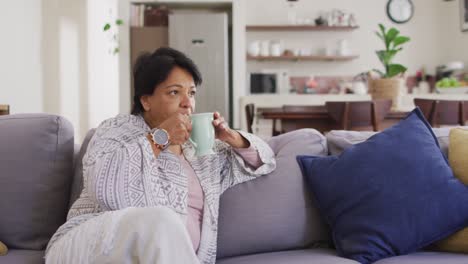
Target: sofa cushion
<point>77,183</point>
<point>390,195</point>
<point>309,256</point>
<point>36,163</point>
<point>273,212</point>
<point>21,256</point>
<point>339,140</point>
<point>425,257</point>
<point>3,249</point>
<point>458,159</point>
<point>458,153</point>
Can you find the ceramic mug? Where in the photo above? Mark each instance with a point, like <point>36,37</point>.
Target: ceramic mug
<point>275,48</point>
<point>254,48</point>
<point>265,48</point>
<point>359,88</point>
<point>203,133</point>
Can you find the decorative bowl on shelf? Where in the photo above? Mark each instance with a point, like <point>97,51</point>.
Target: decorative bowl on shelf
<point>452,90</point>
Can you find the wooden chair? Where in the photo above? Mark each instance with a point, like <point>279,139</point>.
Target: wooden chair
<point>4,109</point>
<point>290,125</point>
<point>249,115</point>
<point>448,113</point>
<point>442,112</point>
<point>382,108</point>
<point>427,107</point>
<point>358,115</point>
<point>465,109</point>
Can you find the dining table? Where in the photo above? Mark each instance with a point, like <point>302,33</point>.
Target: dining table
<point>316,117</point>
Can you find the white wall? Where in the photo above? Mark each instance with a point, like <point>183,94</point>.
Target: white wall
<point>55,59</point>
<point>454,42</point>
<point>80,75</point>
<point>423,50</point>
<point>20,56</point>
<point>103,69</point>
<point>64,61</point>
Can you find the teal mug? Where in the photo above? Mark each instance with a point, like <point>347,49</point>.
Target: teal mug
<point>203,133</point>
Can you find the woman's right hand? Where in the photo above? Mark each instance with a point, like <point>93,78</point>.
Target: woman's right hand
<point>178,126</point>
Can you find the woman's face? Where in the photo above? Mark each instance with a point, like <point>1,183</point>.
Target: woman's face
<point>175,95</point>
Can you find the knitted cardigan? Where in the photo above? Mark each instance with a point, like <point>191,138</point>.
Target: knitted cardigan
<point>120,170</point>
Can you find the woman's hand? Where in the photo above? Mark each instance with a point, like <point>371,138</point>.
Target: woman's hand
<point>178,127</point>
<point>224,133</point>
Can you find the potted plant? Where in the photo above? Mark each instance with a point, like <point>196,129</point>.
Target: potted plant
<point>113,35</point>
<point>390,83</point>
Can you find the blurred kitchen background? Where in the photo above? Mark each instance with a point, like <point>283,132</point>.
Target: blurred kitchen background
<point>74,57</point>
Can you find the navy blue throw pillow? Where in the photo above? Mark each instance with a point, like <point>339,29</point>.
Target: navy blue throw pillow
<point>390,195</point>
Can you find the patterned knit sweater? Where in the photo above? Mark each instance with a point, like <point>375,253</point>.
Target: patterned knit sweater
<point>120,170</point>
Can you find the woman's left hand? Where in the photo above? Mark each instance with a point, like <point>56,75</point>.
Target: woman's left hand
<point>224,133</point>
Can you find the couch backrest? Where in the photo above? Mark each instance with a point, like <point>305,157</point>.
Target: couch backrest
<point>274,212</point>
<point>77,183</point>
<point>36,161</point>
<point>339,140</point>
<point>271,213</point>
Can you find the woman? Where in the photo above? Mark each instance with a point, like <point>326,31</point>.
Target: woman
<point>146,197</point>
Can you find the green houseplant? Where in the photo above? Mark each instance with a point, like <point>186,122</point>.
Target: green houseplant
<point>393,44</point>
<point>390,85</point>
<point>113,35</point>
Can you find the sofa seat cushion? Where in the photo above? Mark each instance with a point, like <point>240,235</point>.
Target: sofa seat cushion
<point>273,212</point>
<point>22,256</point>
<point>309,256</point>
<point>390,195</point>
<point>426,257</point>
<point>36,168</point>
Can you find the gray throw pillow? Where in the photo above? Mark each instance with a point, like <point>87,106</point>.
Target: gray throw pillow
<point>273,212</point>
<point>36,162</point>
<point>339,140</point>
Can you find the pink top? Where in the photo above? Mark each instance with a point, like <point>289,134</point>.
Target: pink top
<point>196,197</point>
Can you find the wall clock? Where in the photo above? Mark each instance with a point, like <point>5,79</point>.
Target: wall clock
<point>400,11</point>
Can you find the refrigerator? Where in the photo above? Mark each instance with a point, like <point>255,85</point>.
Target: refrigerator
<point>204,38</point>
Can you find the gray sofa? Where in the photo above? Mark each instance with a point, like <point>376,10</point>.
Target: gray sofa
<point>268,220</point>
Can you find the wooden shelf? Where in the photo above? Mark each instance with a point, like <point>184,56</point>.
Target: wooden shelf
<point>303,58</point>
<point>298,28</point>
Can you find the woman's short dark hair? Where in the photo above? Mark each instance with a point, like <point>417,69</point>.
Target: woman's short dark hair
<point>151,69</point>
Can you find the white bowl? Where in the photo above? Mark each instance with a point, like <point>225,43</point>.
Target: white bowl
<point>452,90</point>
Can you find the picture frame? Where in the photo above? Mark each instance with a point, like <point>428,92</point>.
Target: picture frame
<point>464,15</point>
